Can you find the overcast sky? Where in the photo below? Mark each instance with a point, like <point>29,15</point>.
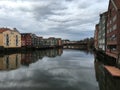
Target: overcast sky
<point>67,19</point>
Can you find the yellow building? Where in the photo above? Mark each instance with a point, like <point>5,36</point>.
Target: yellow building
<point>10,38</point>
<point>9,62</point>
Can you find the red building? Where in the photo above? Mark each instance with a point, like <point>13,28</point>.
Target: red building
<point>26,39</point>
<point>113,28</point>
<point>96,36</point>
<point>26,58</point>
<point>59,42</point>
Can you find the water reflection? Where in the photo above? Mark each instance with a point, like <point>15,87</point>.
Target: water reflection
<point>14,61</point>
<point>8,62</point>
<point>31,57</point>
<point>105,80</point>
<point>51,70</point>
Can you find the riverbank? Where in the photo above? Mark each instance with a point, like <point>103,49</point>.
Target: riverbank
<point>110,64</point>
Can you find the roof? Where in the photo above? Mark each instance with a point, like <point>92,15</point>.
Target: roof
<point>117,3</point>
<point>104,14</point>
<point>3,29</point>
<point>97,25</point>
<point>15,30</point>
<point>51,38</point>
<point>25,33</point>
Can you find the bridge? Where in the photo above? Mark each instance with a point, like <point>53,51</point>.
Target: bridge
<point>75,45</point>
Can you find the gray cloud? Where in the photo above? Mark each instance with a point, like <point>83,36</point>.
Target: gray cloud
<point>68,19</point>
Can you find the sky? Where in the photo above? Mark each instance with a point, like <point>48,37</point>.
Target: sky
<point>66,19</point>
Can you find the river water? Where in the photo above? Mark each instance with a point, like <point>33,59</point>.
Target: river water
<point>54,69</point>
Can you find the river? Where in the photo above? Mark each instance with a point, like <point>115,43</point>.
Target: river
<point>53,69</point>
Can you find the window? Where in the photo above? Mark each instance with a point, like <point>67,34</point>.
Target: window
<point>103,28</point>
<point>110,22</point>
<point>114,18</point>
<point>7,40</point>
<point>107,24</point>
<point>115,27</point>
<point>107,31</point>
<point>103,22</point>
<point>112,47</point>
<point>16,40</point>
<point>7,61</point>
<point>110,29</point>
<point>16,60</point>
<point>113,37</point>
<point>12,32</point>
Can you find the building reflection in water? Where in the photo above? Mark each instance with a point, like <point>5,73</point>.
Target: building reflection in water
<point>14,61</point>
<point>105,80</point>
<point>29,57</point>
<point>8,62</point>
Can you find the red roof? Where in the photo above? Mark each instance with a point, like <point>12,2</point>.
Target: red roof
<point>3,30</point>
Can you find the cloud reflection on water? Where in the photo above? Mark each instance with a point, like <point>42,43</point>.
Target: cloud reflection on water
<point>62,72</point>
